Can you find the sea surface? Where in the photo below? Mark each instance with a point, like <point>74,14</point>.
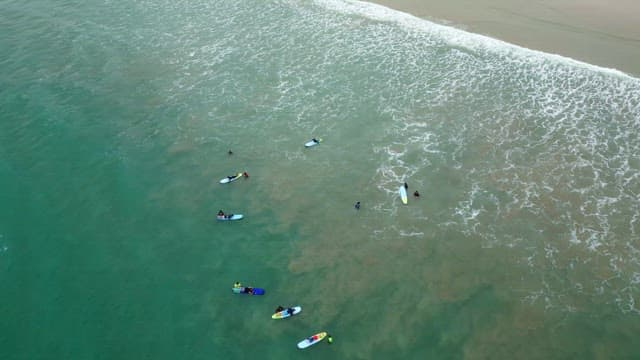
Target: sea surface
<point>115,122</point>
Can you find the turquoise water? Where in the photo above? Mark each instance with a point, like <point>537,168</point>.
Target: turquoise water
<point>116,122</point>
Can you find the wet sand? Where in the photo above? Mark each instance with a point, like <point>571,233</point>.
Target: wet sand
<point>599,32</point>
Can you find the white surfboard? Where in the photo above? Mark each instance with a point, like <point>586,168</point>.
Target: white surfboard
<point>231,178</point>
<point>311,340</point>
<point>229,217</point>
<point>403,194</point>
<point>312,143</point>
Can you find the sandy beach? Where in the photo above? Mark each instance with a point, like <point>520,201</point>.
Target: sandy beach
<point>604,33</point>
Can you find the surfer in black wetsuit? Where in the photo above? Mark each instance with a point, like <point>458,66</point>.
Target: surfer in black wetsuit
<point>416,194</point>
<point>357,205</point>
<point>406,187</point>
<point>279,308</point>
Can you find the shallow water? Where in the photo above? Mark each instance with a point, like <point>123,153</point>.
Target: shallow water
<point>117,122</point>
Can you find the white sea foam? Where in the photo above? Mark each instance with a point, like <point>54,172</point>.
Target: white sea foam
<point>411,233</point>
<point>453,36</point>
<point>578,175</point>
<point>535,141</point>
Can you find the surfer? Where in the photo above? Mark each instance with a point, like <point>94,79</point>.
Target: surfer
<point>315,140</point>
<point>230,152</point>
<point>357,205</point>
<point>290,311</point>
<point>329,339</point>
<point>406,187</point>
<point>279,308</point>
<point>246,175</point>
<point>416,194</point>
<point>220,213</point>
<point>237,284</point>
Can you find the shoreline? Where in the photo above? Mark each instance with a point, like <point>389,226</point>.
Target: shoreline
<point>590,31</point>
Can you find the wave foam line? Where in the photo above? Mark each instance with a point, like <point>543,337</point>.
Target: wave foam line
<point>454,36</point>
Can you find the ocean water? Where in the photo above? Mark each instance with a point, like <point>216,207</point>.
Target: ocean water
<point>116,119</point>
